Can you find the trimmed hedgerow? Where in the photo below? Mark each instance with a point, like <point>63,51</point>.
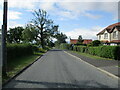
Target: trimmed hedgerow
<point>102,51</point>
<point>65,46</point>
<point>18,50</point>
<point>112,52</point>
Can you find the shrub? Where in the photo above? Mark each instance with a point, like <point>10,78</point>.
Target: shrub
<point>95,43</point>
<point>64,46</point>
<point>46,48</point>
<point>35,48</point>
<point>102,51</point>
<point>41,50</point>
<point>105,51</point>
<point>18,50</point>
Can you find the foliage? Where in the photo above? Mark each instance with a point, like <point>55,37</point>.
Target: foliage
<point>95,43</point>
<point>64,46</point>
<point>111,52</point>
<point>14,35</point>
<point>44,26</point>
<point>41,50</point>
<point>29,34</point>
<point>19,50</point>
<point>61,38</point>
<point>102,51</point>
<point>80,40</point>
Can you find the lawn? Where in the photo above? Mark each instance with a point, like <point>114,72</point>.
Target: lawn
<point>19,64</point>
<point>91,56</point>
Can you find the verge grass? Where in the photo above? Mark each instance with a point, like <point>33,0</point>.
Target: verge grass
<point>18,64</point>
<point>91,56</point>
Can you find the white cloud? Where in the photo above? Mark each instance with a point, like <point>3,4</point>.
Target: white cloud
<point>27,4</point>
<point>86,33</point>
<point>1,16</point>
<point>92,16</point>
<point>14,15</point>
<point>48,6</point>
<point>82,8</point>
<point>12,24</point>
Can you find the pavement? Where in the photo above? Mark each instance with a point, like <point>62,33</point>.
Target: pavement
<point>57,69</point>
<point>110,66</point>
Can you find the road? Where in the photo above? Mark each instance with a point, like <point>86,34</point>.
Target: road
<point>57,69</point>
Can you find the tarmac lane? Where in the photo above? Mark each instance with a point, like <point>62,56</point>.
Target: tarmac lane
<point>57,69</point>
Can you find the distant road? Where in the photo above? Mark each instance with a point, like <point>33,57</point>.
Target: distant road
<point>57,69</point>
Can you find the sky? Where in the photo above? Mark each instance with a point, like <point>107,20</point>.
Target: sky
<point>74,17</point>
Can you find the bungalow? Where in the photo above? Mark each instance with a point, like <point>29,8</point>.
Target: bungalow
<point>110,35</point>
<point>85,41</point>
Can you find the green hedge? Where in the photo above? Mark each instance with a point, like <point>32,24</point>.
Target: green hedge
<point>65,46</point>
<point>112,52</point>
<point>18,50</point>
<point>41,50</point>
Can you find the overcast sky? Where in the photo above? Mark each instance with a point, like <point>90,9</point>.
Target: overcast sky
<point>74,17</point>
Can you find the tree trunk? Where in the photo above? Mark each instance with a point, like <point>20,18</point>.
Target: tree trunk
<point>42,41</point>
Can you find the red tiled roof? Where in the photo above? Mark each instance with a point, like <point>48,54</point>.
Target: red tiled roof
<point>115,41</point>
<point>73,41</point>
<point>110,28</point>
<point>87,41</point>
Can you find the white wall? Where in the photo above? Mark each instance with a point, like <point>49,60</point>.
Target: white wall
<point>118,35</point>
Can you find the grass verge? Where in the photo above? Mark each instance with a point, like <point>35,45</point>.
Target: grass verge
<point>18,64</point>
<point>91,56</point>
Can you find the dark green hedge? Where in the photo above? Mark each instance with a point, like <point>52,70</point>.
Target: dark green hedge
<point>112,52</point>
<point>18,50</point>
<point>64,46</point>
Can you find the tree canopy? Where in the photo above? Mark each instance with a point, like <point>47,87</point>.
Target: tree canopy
<point>14,35</point>
<point>44,25</point>
<point>80,40</point>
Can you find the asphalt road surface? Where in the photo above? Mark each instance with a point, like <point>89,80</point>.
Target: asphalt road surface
<point>57,69</point>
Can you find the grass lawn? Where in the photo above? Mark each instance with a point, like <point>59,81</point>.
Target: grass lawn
<point>18,64</point>
<point>92,56</point>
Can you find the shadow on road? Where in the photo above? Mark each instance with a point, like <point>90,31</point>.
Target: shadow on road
<point>55,50</point>
<point>83,84</point>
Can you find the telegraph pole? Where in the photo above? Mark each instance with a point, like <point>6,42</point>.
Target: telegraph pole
<point>4,34</point>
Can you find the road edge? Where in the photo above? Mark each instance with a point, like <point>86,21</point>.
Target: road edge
<point>104,71</point>
<point>21,71</point>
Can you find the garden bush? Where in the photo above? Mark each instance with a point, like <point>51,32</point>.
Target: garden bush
<point>65,46</point>
<point>19,50</point>
<point>41,50</point>
<point>112,52</point>
<point>46,48</point>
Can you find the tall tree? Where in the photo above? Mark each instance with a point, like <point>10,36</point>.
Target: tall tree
<point>80,40</point>
<point>61,38</point>
<point>14,35</point>
<point>30,33</point>
<point>42,24</point>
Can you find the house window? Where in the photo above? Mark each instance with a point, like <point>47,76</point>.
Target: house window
<point>105,36</point>
<point>99,37</point>
<point>114,34</point>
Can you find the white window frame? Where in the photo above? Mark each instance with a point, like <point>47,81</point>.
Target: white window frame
<point>115,35</point>
<point>106,36</point>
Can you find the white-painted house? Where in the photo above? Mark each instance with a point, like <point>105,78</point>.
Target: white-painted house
<point>110,35</point>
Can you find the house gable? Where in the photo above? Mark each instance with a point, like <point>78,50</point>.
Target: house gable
<point>110,34</point>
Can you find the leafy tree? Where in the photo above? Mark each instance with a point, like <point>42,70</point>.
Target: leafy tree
<point>14,35</point>
<point>29,34</point>
<point>61,38</point>
<point>80,40</point>
<point>43,25</point>
<point>96,43</point>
